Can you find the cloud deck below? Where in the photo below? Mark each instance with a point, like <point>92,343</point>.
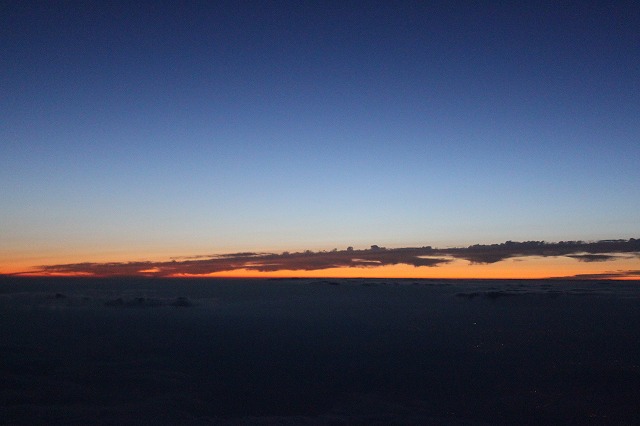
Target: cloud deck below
<point>159,351</point>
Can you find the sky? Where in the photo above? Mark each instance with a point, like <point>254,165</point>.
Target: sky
<point>157,131</point>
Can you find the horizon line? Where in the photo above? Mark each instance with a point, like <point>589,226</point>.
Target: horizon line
<point>402,262</point>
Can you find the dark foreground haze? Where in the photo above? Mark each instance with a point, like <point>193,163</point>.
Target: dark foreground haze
<point>316,352</point>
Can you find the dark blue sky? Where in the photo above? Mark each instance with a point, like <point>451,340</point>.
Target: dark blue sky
<point>186,127</point>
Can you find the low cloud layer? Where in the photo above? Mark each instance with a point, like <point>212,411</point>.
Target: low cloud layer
<point>599,251</point>
<point>609,275</point>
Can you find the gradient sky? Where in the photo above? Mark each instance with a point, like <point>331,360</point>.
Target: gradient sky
<point>158,129</point>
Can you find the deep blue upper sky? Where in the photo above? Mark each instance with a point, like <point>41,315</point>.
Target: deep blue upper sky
<point>190,127</point>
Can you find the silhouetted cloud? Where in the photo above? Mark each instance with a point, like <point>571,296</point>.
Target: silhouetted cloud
<point>267,262</point>
<point>581,250</point>
<point>610,275</point>
<point>593,257</point>
<point>599,251</point>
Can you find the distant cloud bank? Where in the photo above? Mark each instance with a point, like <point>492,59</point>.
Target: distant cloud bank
<point>599,251</point>
<point>609,275</point>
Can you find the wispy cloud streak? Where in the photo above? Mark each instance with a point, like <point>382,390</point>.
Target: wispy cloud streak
<point>599,251</point>
<point>609,275</point>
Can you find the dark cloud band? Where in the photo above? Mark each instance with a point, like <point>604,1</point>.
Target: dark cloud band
<point>599,251</point>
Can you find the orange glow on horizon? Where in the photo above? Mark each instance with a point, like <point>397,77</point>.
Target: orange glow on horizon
<point>517,268</point>
<point>533,267</point>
